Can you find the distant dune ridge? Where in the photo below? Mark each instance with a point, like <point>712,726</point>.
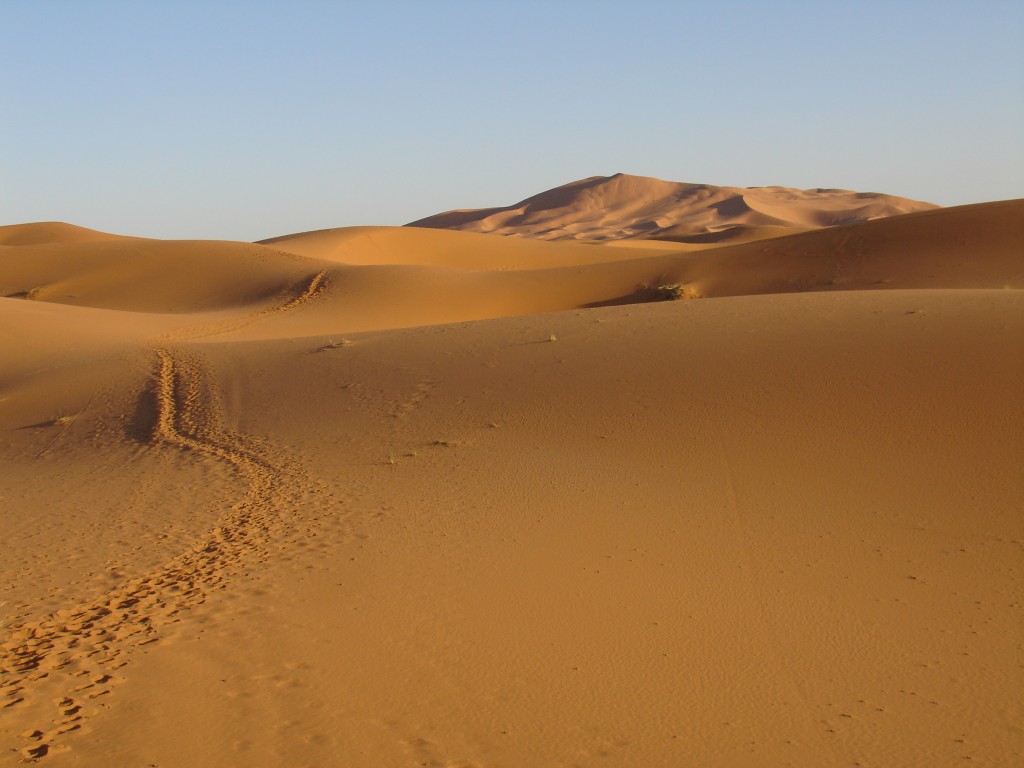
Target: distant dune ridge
<point>748,494</point>
<point>622,206</point>
<point>50,232</point>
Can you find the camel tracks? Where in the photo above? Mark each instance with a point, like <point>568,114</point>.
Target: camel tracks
<point>304,292</point>
<point>53,669</point>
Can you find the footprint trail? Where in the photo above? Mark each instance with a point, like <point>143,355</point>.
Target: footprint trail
<point>54,669</point>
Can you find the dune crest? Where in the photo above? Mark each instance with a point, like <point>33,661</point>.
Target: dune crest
<point>49,232</point>
<point>622,206</point>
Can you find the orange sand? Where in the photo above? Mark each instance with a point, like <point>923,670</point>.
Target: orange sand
<point>405,497</point>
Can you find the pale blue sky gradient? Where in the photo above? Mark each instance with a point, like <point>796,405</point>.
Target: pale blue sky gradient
<point>247,120</point>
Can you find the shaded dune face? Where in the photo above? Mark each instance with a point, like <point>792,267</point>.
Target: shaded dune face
<point>747,494</point>
<point>623,206</point>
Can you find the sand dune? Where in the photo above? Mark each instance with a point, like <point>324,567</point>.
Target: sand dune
<point>436,248</point>
<point>623,206</point>
<point>406,497</point>
<point>46,232</point>
<point>150,275</point>
<point>975,246</point>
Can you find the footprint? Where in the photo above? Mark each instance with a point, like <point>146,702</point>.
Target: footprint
<point>35,751</point>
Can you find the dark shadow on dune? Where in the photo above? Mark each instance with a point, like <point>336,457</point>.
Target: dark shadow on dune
<point>701,238</point>
<point>732,206</point>
<point>642,296</point>
<point>141,427</point>
<point>59,421</point>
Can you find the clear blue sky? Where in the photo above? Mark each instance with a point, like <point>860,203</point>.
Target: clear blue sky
<point>243,120</point>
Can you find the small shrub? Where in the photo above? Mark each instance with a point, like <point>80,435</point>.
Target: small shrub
<point>675,292</point>
<point>332,344</point>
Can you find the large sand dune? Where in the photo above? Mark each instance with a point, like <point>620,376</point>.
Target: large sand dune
<point>404,497</point>
<point>624,206</point>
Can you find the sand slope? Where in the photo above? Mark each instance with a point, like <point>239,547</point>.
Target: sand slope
<point>150,275</point>
<point>48,232</point>
<point>390,496</point>
<point>624,206</point>
<point>438,248</point>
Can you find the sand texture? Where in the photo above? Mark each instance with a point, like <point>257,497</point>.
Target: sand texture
<point>747,495</point>
<point>622,206</point>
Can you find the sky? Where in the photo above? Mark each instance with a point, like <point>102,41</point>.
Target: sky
<point>246,120</point>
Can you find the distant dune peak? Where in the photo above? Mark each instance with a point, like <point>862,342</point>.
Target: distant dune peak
<point>623,206</point>
<point>48,232</point>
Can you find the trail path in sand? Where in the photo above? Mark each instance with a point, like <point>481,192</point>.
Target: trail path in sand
<point>59,665</point>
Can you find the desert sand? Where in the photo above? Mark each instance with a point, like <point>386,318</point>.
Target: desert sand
<point>419,496</point>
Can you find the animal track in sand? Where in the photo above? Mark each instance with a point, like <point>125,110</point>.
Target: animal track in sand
<point>311,289</point>
<point>411,403</point>
<point>427,753</point>
<point>72,656</point>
